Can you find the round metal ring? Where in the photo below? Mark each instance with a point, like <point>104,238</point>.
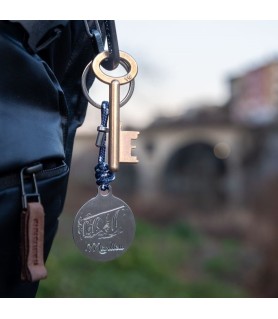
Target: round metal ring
<point>124,57</point>
<point>86,93</point>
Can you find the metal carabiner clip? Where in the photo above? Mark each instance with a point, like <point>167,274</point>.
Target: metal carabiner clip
<point>95,35</point>
<point>113,60</point>
<point>30,171</point>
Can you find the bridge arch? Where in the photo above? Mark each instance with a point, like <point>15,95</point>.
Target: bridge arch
<point>194,170</point>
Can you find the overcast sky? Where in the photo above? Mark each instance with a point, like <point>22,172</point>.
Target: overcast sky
<point>185,63</point>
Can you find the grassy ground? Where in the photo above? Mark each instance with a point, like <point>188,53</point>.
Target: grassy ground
<point>172,261</point>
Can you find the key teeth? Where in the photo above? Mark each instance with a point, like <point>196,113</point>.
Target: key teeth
<point>126,146</point>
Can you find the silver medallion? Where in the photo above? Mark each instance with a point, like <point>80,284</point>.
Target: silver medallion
<point>104,227</point>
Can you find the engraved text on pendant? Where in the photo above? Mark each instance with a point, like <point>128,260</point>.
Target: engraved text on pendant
<point>104,227</point>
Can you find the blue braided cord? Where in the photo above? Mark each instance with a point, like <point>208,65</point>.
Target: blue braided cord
<point>102,172</point>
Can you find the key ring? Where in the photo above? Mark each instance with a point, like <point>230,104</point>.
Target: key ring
<point>86,93</point>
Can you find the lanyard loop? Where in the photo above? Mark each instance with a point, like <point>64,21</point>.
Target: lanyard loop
<point>104,176</point>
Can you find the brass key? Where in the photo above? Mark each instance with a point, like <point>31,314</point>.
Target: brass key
<point>114,100</point>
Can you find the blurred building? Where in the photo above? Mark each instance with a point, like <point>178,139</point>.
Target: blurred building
<point>254,94</point>
<point>206,157</point>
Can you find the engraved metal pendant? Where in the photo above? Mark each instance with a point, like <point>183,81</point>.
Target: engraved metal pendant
<point>104,227</point>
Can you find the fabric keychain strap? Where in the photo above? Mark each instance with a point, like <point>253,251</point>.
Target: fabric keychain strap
<point>32,239</point>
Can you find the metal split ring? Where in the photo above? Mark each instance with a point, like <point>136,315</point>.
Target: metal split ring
<point>86,93</point>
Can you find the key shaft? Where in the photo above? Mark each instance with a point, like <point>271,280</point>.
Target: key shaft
<point>114,126</point>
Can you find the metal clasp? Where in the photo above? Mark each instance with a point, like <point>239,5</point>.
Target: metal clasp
<point>113,47</point>
<point>102,130</point>
<point>95,35</point>
<point>113,59</point>
<point>26,172</point>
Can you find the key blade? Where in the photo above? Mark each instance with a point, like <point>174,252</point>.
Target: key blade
<point>126,138</point>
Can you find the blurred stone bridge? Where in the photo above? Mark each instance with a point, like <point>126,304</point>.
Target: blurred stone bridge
<point>207,159</point>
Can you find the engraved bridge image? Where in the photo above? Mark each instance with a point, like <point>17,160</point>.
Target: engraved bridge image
<point>103,225</point>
